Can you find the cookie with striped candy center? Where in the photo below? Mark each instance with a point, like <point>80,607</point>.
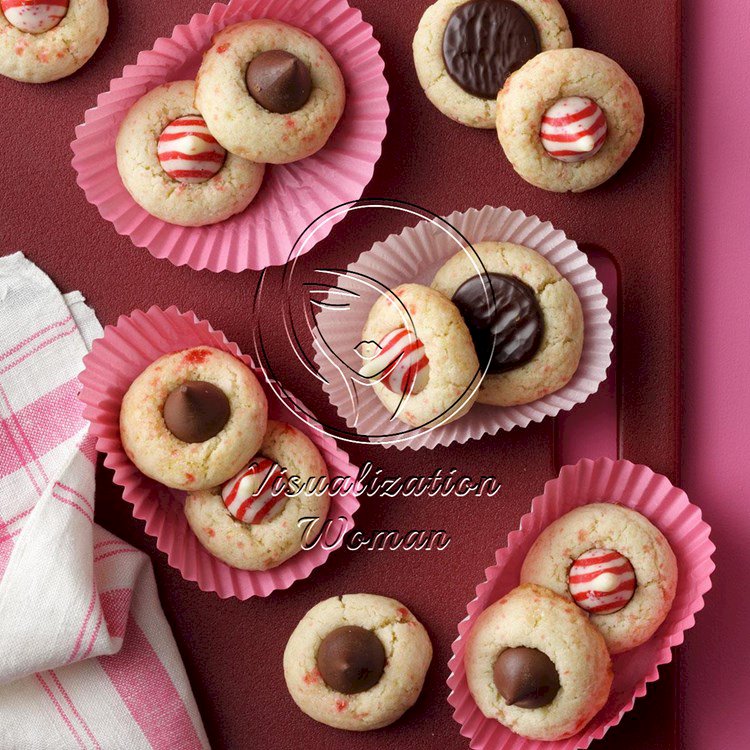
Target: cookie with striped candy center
<point>614,564</point>
<point>419,357</point>
<point>173,166</point>
<point>269,509</point>
<point>569,119</point>
<point>45,40</point>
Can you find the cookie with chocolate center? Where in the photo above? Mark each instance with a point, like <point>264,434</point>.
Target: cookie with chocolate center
<point>464,51</point>
<point>357,661</point>
<point>524,317</point>
<point>536,664</point>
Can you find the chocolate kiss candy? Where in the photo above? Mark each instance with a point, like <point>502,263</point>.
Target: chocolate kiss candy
<point>279,81</point>
<point>196,411</point>
<point>351,659</point>
<point>526,677</point>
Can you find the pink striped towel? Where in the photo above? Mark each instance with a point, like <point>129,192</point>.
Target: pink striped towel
<point>87,659</point>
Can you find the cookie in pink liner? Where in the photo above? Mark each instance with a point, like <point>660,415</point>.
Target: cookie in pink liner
<point>115,360</point>
<point>603,480</point>
<point>292,195</point>
<point>414,256</point>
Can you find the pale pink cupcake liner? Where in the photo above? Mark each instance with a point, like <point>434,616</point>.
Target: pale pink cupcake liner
<point>603,480</point>
<point>292,195</point>
<point>415,255</point>
<point>122,353</point>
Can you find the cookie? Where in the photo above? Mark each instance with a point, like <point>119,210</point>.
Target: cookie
<point>536,664</point>
<point>42,41</point>
<point>419,355</point>
<point>524,317</point>
<point>614,563</point>
<point>569,119</point>
<point>192,419</point>
<point>172,166</point>
<point>357,661</point>
<point>465,49</point>
<point>270,92</point>
<point>252,522</point>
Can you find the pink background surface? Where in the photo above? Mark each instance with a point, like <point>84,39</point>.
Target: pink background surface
<point>715,676</point>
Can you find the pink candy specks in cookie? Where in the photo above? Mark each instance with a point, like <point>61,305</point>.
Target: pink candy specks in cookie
<point>573,129</point>
<point>400,363</point>
<point>257,493</point>
<point>188,152</point>
<point>32,16</point>
<point>601,581</point>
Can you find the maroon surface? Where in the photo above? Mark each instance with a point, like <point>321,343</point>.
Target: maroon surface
<point>232,649</point>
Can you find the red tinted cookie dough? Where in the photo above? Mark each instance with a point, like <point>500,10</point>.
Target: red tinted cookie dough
<point>41,56</point>
<point>453,374</point>
<point>189,381</point>
<point>545,80</point>
<point>373,676</point>
<point>240,122</point>
<point>534,631</point>
<point>255,525</point>
<point>191,203</point>
<point>606,527</point>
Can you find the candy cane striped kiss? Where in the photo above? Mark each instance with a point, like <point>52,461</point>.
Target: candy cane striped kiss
<point>573,129</point>
<point>400,364</point>
<point>188,152</point>
<point>33,16</point>
<point>601,581</point>
<point>256,494</point>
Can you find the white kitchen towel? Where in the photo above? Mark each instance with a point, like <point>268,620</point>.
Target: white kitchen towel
<point>87,659</point>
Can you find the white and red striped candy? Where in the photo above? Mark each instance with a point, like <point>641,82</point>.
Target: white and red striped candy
<point>573,129</point>
<point>601,581</point>
<point>400,364</point>
<point>188,152</point>
<point>257,493</point>
<point>34,16</point>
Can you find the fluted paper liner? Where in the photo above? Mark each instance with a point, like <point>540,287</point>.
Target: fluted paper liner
<point>292,195</point>
<point>115,360</point>
<point>603,480</point>
<point>415,255</point>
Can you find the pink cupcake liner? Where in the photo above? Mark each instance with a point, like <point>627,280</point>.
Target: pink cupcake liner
<point>415,255</point>
<point>123,352</point>
<point>292,195</point>
<point>603,480</point>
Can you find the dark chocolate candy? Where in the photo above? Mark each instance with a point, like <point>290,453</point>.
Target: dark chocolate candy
<point>526,677</point>
<point>196,411</point>
<point>485,41</point>
<point>504,319</point>
<point>351,659</point>
<point>279,81</point>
